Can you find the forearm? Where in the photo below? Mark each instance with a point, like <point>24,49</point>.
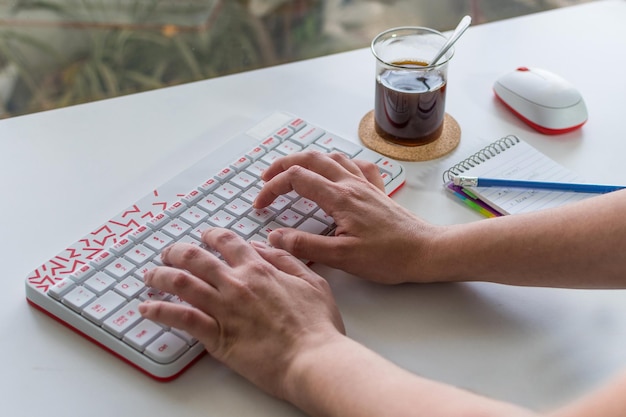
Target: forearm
<point>343,378</point>
<point>607,401</point>
<point>581,245</point>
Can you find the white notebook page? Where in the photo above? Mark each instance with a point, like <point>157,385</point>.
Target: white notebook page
<point>522,161</point>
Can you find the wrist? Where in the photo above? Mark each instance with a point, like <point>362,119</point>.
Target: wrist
<point>433,255</point>
<point>317,363</point>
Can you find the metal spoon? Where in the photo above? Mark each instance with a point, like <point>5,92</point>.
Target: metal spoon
<point>460,29</point>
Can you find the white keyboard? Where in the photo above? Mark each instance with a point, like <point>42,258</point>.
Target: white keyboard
<point>95,285</point>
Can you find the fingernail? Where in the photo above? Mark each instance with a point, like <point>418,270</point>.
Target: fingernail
<point>147,277</point>
<point>258,244</point>
<point>143,306</point>
<point>276,239</point>
<point>164,252</point>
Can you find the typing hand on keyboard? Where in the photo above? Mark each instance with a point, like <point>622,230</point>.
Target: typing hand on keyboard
<point>251,312</point>
<point>371,235</point>
<point>96,284</point>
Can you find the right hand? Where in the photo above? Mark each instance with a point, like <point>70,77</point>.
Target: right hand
<point>376,238</point>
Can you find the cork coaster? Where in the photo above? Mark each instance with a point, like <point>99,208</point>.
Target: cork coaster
<point>449,139</point>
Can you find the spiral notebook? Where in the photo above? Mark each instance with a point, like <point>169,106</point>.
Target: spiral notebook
<point>511,158</point>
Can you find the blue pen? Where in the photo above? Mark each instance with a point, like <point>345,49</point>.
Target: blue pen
<point>541,185</point>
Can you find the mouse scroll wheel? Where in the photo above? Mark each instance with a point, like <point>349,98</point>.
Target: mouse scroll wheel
<point>523,69</point>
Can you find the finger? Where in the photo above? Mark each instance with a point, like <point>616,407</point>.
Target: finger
<point>371,173</point>
<point>195,259</point>
<point>328,250</point>
<point>230,245</point>
<point>306,183</point>
<point>314,161</point>
<point>180,316</point>
<point>188,287</point>
<point>361,168</point>
<point>282,260</point>
<point>347,163</point>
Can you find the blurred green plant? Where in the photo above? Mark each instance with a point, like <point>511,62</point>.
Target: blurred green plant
<point>16,67</point>
<point>127,46</point>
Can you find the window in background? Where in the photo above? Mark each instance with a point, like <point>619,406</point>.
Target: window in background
<point>55,53</point>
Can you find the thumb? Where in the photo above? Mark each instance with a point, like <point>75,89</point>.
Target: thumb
<point>303,245</point>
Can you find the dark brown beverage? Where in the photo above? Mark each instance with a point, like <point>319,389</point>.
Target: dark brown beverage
<point>410,106</point>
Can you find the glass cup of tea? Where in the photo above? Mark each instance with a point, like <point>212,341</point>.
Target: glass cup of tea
<point>410,99</point>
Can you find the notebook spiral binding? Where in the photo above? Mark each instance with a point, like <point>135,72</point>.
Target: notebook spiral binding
<point>481,156</point>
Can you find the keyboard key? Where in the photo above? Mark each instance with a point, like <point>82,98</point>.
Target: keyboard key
<point>296,124</point>
<point>225,174</point>
<point>157,222</point>
<point>158,241</point>
<point>257,168</point>
<point>269,228</point>
<point>100,282</point>
<point>245,227</point>
<point>304,206</point>
<point>221,219</point>
<point>271,156</point>
<point>189,339</point>
<point>130,287</point>
<point>323,217</point>
<point>333,143</point>
<point>142,334</point>
<point>175,209</point>
<point>196,232</point>
<point>256,153</point>
<point>227,191</point>
<point>243,180</point>
<point>391,167</point>
<point>176,228</point>
<point>241,163</point>
<point>77,298</point>
<point>270,143</point>
<point>140,233</point>
<point>307,135</point>
<point>139,254</point>
<point>140,272</point>
<point>102,259</point>
<point>191,240</point>
<point>103,306</point>
<point>283,133</point>
<point>120,268</point>
<point>238,207</point>
<point>262,216</point>
<point>191,197</point>
<point>83,273</point>
<point>287,148</point>
<point>211,204</point>
<point>121,246</point>
<point>154,295</point>
<point>368,155</point>
<point>166,348</point>
<point>123,319</point>
<point>209,185</point>
<point>61,288</point>
<point>280,203</point>
<point>194,216</point>
<point>289,218</point>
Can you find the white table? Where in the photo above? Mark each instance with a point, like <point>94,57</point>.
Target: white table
<point>63,172</point>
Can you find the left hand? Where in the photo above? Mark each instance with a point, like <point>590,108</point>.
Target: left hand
<point>255,312</point>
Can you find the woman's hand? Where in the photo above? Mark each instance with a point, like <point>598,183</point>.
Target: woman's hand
<point>376,238</point>
<point>255,311</point>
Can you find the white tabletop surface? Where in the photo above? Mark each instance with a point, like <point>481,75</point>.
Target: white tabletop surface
<point>65,171</point>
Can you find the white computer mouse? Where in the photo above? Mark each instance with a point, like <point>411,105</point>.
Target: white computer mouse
<point>542,99</point>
